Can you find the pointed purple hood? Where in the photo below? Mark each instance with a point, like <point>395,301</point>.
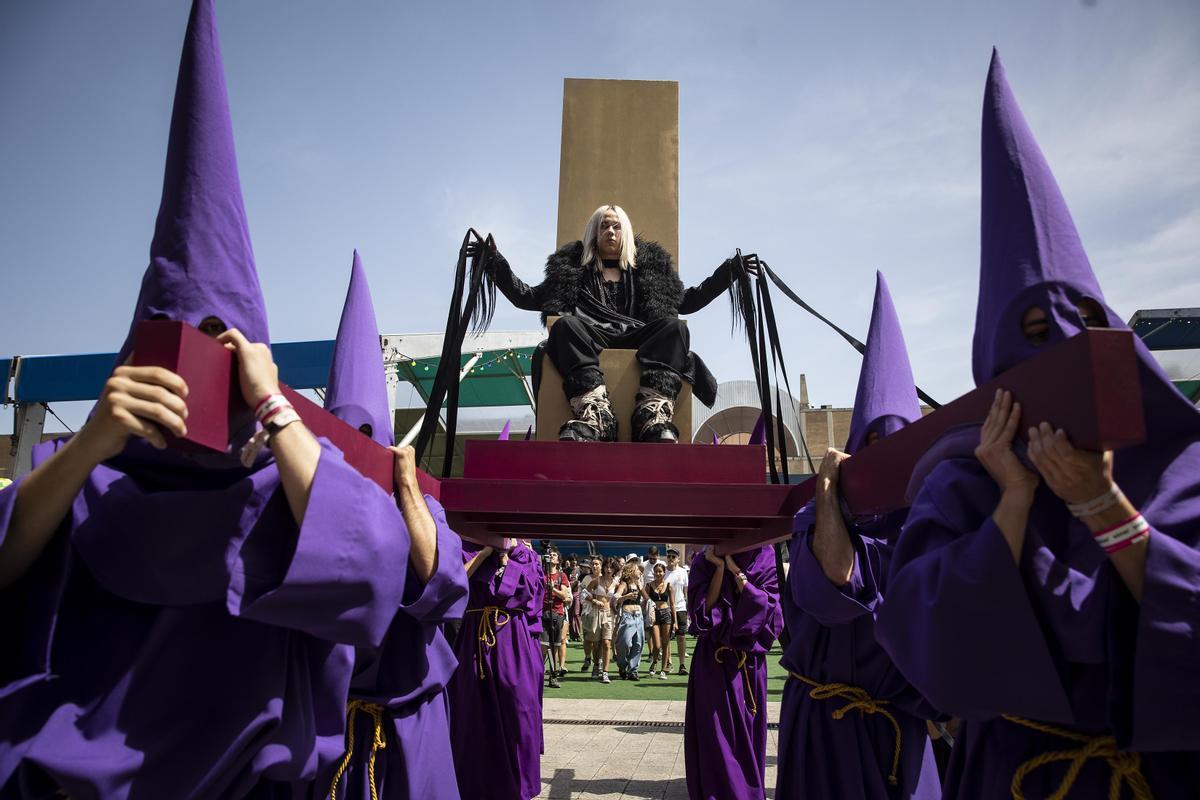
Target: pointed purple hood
<point>887,396</point>
<point>1031,255</point>
<point>201,262</point>
<point>357,389</point>
<point>1030,252</point>
<point>759,434</point>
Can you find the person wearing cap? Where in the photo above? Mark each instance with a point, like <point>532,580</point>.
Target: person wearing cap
<point>837,582</point>
<point>1052,599</point>
<point>186,622</point>
<point>677,577</point>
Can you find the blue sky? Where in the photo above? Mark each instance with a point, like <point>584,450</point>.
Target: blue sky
<point>831,138</point>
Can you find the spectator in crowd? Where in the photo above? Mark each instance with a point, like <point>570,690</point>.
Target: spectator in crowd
<point>677,577</point>
<point>661,596</point>
<point>554,601</point>
<point>588,608</point>
<point>598,622</point>
<point>575,609</point>
<point>627,639</point>
<point>650,560</point>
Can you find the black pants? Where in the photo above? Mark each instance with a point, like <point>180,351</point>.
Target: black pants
<point>661,345</point>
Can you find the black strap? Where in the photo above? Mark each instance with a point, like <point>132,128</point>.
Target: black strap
<point>479,302</point>
<point>855,343</point>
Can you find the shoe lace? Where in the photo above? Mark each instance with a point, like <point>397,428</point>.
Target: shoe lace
<point>660,407</point>
<point>589,405</point>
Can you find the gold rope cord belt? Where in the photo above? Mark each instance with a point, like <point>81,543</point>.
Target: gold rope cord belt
<point>860,700</point>
<point>1126,766</point>
<point>489,623</point>
<point>379,742</point>
<point>750,702</point>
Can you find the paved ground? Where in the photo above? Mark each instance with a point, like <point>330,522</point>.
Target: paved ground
<point>622,761</point>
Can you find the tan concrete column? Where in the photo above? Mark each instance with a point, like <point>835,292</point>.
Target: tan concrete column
<point>620,145</point>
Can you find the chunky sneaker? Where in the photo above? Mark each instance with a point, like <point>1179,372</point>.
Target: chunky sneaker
<point>553,683</point>
<point>633,676</point>
<point>587,664</point>
<point>604,678</point>
<point>594,420</point>
<point>662,676</point>
<point>682,670</point>
<point>651,421</point>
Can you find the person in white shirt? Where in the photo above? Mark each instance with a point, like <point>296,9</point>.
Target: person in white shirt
<point>677,577</point>
<point>651,559</point>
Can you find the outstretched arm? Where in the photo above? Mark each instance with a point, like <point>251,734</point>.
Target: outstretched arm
<point>518,292</point>
<point>697,297</point>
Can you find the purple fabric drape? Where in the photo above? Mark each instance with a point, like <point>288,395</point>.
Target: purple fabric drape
<point>182,637</point>
<point>725,729</point>
<point>495,694</point>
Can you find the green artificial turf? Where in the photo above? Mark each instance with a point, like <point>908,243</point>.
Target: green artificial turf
<point>579,685</point>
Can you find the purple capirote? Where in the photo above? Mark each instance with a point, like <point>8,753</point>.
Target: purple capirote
<point>725,722</point>
<point>1056,638</point>
<point>495,694</point>
<point>832,627</point>
<point>404,678</point>
<point>886,399</point>
<point>356,391</point>
<point>201,260</point>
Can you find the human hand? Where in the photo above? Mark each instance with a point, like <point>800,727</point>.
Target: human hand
<point>751,263</point>
<point>710,555</point>
<point>405,469</point>
<point>136,401</point>
<point>995,446</point>
<point>475,247</point>
<point>1076,476</point>
<point>827,477</point>
<point>257,374</point>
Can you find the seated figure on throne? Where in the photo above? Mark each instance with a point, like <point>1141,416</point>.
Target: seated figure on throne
<point>616,290</point>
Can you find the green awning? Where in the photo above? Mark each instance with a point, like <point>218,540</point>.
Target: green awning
<point>1190,389</point>
<point>496,379</point>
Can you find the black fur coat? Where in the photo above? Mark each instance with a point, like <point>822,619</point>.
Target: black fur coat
<point>658,293</point>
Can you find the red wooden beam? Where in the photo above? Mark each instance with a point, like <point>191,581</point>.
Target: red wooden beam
<point>1088,385</point>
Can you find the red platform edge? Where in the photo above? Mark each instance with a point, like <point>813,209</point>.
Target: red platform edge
<point>1087,385</point>
<point>215,405</point>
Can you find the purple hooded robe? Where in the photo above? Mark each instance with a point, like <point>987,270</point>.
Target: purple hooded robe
<point>725,722</point>
<point>495,695</point>
<point>832,628</point>
<point>1057,639</point>
<point>181,635</point>
<point>408,673</point>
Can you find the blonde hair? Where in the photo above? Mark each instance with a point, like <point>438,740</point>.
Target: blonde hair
<point>591,257</point>
<point>629,572</point>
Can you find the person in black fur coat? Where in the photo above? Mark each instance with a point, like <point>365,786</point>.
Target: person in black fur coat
<point>614,290</point>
